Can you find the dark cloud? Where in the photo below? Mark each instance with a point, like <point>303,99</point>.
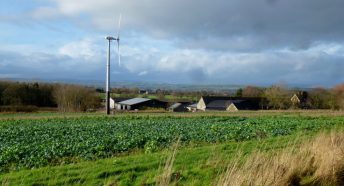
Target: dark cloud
<point>266,23</point>
<point>219,41</point>
<point>271,1</point>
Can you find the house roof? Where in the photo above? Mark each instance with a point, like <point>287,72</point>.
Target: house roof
<point>301,95</point>
<point>295,98</point>
<point>134,101</point>
<point>208,99</point>
<point>221,103</point>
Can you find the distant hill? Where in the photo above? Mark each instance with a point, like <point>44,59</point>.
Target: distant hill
<point>151,85</point>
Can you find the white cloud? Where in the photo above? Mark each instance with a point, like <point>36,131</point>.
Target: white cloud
<point>85,49</point>
<point>45,13</point>
<point>301,66</point>
<point>143,73</point>
<point>334,49</point>
<point>311,66</point>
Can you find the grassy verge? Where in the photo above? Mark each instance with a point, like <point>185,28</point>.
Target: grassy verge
<point>319,162</point>
<point>192,166</point>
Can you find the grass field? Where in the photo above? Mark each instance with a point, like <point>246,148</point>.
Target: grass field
<point>140,148</point>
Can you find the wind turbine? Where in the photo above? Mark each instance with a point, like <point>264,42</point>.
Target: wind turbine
<point>110,38</point>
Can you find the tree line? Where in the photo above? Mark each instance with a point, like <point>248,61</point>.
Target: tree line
<point>279,97</point>
<point>22,96</point>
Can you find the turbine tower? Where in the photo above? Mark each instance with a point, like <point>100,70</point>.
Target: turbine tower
<point>110,38</point>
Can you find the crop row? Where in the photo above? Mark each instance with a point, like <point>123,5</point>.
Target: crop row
<point>36,143</point>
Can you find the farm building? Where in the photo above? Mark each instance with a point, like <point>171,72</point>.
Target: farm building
<point>228,103</point>
<point>192,107</point>
<point>295,99</point>
<point>146,92</point>
<point>114,102</point>
<point>299,100</point>
<point>141,103</point>
<point>178,107</point>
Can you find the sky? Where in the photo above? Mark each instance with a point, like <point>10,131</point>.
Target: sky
<point>241,42</point>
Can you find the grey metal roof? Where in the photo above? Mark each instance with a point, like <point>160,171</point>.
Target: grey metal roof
<point>193,105</point>
<point>134,101</point>
<point>176,105</point>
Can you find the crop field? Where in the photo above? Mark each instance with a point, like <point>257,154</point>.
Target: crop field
<point>250,114</point>
<point>33,143</point>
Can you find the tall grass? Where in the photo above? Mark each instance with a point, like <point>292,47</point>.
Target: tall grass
<point>165,178</point>
<point>319,161</point>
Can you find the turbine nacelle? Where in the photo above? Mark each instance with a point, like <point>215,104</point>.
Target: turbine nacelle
<point>110,38</point>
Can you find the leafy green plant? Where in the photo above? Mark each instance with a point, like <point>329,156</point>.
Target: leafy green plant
<point>39,142</point>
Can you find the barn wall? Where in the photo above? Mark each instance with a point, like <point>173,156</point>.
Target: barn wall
<point>232,107</point>
<point>118,106</point>
<point>295,99</point>
<point>112,103</point>
<point>201,105</point>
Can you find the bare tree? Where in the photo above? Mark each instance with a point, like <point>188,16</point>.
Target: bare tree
<point>338,92</point>
<point>278,97</point>
<point>320,98</point>
<point>252,91</point>
<point>75,98</point>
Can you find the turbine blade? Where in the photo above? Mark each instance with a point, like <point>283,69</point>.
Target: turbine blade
<point>119,25</point>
